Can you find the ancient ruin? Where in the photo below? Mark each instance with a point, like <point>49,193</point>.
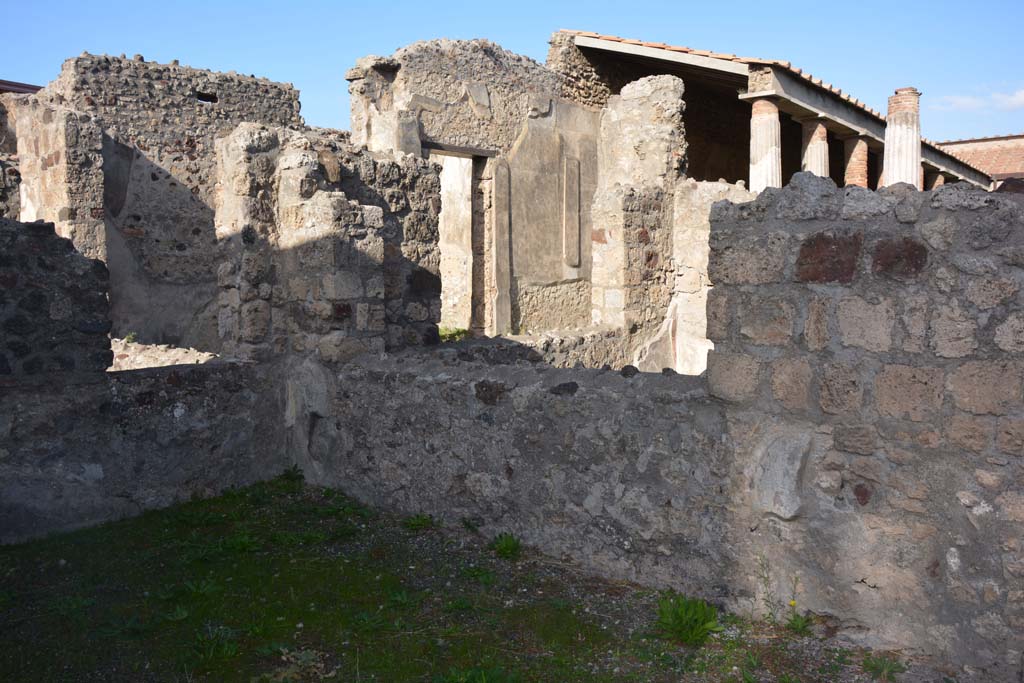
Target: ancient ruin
<point>721,316</point>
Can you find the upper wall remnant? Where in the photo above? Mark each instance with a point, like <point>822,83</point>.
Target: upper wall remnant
<point>119,154</point>
<point>455,93</point>
<point>313,268</point>
<point>170,113</point>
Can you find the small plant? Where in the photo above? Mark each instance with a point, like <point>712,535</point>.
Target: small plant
<point>800,624</point>
<point>400,599</point>
<point>882,667</point>
<point>479,574</point>
<point>72,605</point>
<point>131,337</point>
<point>768,597</point>
<point>459,604</point>
<point>506,545</point>
<point>241,543</point>
<point>122,627</point>
<point>418,522</point>
<point>687,620</point>
<point>786,678</point>
<point>452,334</point>
<point>201,588</point>
<point>215,642</point>
<point>179,613</point>
<point>470,524</point>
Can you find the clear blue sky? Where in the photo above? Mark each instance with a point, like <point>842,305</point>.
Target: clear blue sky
<point>966,57</point>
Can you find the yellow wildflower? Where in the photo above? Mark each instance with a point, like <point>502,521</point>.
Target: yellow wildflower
<point>792,603</point>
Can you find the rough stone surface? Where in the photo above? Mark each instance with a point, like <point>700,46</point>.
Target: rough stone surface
<point>53,306</point>
<point>916,396</point>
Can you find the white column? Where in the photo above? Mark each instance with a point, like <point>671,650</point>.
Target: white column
<point>815,147</point>
<point>902,157</point>
<point>765,145</point>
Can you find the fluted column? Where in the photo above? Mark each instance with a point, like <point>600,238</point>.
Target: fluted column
<point>855,152</point>
<point>903,138</point>
<point>815,147</point>
<point>765,145</point>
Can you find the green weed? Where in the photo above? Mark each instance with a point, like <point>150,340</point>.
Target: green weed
<point>882,667</point>
<point>687,620</point>
<point>506,546</point>
<point>418,522</point>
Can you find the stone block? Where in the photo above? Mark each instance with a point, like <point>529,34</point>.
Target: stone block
<point>904,391</point>
<point>791,382</point>
<point>254,322</point>
<point>988,292</point>
<point>342,285</point>
<point>952,331</point>
<point>840,389</point>
<point>1009,334</point>
<point>816,335</point>
<point>970,432</point>
<point>899,258</point>
<point>733,376</point>
<point>718,315</point>
<point>739,260</point>
<point>866,325</point>
<point>982,387</point>
<point>1010,435</point>
<point>1011,506</point>
<point>914,320</point>
<point>826,257</point>
<point>855,438</point>
<point>767,321</point>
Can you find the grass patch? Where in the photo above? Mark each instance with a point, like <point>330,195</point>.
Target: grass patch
<point>452,334</point>
<point>284,582</point>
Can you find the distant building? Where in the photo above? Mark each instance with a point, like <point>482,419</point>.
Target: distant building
<point>1002,157</point>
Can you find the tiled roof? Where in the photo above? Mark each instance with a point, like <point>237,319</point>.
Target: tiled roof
<point>13,86</point>
<point>999,156</point>
<point>986,138</point>
<point>788,66</point>
<point>734,58</point>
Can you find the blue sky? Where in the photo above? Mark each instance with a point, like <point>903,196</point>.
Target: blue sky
<point>965,57</point>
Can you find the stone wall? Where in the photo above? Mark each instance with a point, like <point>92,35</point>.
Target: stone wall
<point>680,341</point>
<point>869,348</point>
<point>314,270</point>
<point>53,306</point>
<point>460,93</point>
<point>10,181</point>
<point>10,176</point>
<point>100,446</point>
<point>79,445</point>
<point>619,472</point>
<point>61,165</point>
<point>641,154</point>
<point>119,154</point>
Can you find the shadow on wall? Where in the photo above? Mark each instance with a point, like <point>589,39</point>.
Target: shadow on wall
<point>162,252</point>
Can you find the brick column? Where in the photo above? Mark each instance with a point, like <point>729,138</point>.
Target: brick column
<point>933,180</point>
<point>815,147</point>
<point>855,152</point>
<point>903,138</point>
<point>765,145</point>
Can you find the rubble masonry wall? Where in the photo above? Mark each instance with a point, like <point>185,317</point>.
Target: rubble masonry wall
<point>144,203</point>
<point>79,445</point>
<point>869,349</point>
